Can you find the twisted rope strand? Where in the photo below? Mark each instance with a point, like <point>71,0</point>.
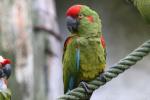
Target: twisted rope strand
<point>124,64</point>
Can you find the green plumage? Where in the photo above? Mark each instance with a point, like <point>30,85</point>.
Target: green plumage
<point>144,8</point>
<point>5,94</point>
<point>92,53</point>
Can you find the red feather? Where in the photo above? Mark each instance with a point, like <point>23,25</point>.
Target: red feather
<point>5,61</point>
<point>68,41</point>
<point>103,41</point>
<point>90,19</point>
<point>73,11</point>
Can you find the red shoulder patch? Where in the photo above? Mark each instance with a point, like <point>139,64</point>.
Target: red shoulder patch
<point>73,11</point>
<point>68,41</point>
<point>102,40</point>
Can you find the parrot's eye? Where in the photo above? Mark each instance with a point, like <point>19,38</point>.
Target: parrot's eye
<point>80,16</point>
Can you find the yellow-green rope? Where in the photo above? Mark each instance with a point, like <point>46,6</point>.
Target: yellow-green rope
<point>125,63</point>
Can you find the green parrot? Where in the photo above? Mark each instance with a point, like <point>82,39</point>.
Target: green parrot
<point>84,56</point>
<point>144,8</point>
<point>5,72</point>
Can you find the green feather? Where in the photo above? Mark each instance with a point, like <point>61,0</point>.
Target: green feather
<point>144,8</point>
<point>86,28</point>
<point>5,94</point>
<point>69,63</point>
<point>92,54</point>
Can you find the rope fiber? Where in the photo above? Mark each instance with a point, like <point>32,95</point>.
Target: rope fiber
<point>80,94</point>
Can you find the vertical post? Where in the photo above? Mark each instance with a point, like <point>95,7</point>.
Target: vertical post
<point>47,50</point>
<point>8,35</point>
<point>23,48</point>
<point>29,29</point>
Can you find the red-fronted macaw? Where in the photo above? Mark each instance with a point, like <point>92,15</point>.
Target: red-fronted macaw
<point>5,71</point>
<point>84,55</point>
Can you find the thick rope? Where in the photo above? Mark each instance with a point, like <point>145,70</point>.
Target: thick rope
<point>124,64</point>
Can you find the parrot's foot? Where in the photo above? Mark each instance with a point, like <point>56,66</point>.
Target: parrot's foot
<point>102,77</point>
<point>85,86</point>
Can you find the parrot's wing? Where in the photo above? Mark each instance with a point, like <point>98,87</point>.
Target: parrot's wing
<point>68,40</point>
<point>102,40</point>
<point>65,71</point>
<point>70,67</point>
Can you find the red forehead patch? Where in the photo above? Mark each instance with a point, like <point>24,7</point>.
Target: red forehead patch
<point>5,61</point>
<point>73,11</point>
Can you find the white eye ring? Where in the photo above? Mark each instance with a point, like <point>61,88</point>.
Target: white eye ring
<point>80,16</point>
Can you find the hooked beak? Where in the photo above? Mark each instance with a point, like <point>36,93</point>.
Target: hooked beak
<point>72,24</point>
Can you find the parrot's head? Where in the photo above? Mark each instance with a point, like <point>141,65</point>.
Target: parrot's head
<point>5,67</point>
<point>3,61</point>
<point>82,20</point>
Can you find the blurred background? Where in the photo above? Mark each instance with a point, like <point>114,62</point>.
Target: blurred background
<point>32,33</point>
